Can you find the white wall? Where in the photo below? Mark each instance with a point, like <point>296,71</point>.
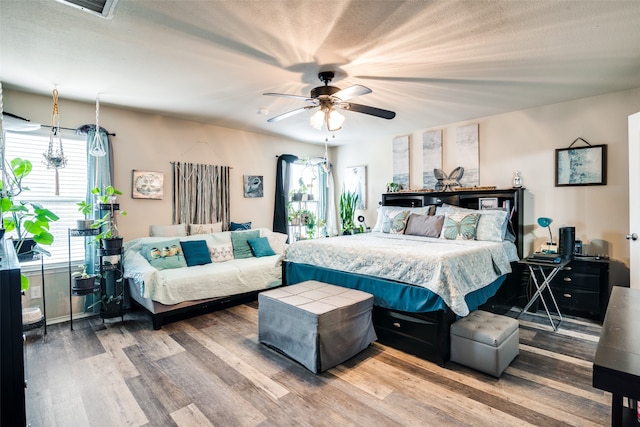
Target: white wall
<point>150,142</point>
<point>526,141</point>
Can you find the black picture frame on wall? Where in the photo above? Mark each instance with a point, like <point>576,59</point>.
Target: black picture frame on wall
<point>581,166</point>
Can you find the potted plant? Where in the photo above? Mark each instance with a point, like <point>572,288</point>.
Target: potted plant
<point>108,224</point>
<point>348,201</point>
<point>82,280</point>
<point>30,220</point>
<point>85,209</point>
<point>308,220</point>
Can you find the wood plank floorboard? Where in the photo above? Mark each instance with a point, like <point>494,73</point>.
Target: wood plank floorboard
<point>212,371</point>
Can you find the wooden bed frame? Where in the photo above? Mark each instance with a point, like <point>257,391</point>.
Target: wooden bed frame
<point>426,335</point>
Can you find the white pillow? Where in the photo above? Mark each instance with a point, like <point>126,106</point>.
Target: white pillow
<point>205,228</point>
<point>221,252</point>
<point>385,212</point>
<point>176,230</point>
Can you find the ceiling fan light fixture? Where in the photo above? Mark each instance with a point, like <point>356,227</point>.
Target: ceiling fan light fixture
<point>334,120</point>
<point>317,120</point>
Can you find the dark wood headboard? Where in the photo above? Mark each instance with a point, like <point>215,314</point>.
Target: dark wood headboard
<point>512,198</point>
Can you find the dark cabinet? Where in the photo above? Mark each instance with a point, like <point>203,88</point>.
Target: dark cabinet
<point>582,288</point>
<point>12,379</point>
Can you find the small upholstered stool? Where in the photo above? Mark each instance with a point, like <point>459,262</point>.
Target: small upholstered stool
<point>485,341</point>
<point>316,324</point>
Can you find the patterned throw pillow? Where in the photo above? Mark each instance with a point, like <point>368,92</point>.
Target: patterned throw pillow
<point>235,226</point>
<point>205,228</point>
<point>459,226</point>
<point>221,252</point>
<point>395,222</point>
<point>164,254</point>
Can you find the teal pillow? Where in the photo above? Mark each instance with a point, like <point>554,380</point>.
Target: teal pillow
<point>196,252</point>
<point>241,248</point>
<point>237,226</point>
<point>164,254</point>
<point>260,247</point>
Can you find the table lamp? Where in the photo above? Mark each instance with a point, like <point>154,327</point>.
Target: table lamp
<point>550,247</point>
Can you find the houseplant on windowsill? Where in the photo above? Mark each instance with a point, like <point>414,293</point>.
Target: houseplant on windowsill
<point>108,224</point>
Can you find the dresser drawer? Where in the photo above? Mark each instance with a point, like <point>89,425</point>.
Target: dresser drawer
<point>577,300</point>
<point>570,278</point>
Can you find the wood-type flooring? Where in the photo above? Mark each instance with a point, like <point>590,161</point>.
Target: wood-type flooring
<point>212,371</point>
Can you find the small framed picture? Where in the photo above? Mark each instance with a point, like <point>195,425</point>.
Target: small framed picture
<point>147,185</point>
<point>488,203</point>
<point>253,186</point>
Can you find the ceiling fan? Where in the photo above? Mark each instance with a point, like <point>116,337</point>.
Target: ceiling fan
<point>329,99</point>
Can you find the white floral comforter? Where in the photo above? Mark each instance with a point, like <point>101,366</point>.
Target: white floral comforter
<point>449,268</point>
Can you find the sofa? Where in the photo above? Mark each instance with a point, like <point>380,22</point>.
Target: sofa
<point>173,275</point>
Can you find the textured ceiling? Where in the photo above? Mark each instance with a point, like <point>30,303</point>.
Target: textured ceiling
<point>433,62</point>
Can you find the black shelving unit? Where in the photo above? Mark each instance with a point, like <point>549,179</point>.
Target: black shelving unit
<point>111,284</point>
<point>72,232</point>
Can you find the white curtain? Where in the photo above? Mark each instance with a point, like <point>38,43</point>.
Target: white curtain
<point>200,194</point>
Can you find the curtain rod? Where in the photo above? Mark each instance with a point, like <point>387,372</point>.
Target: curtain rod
<point>60,127</point>
<point>220,166</point>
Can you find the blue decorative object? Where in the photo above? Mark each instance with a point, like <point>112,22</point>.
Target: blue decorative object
<point>546,222</point>
<point>196,252</point>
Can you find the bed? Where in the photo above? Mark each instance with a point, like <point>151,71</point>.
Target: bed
<point>420,284</point>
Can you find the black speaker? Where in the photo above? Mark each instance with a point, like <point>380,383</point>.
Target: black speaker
<point>567,242</point>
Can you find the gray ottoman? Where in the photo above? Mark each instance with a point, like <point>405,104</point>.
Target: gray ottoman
<point>485,341</point>
<point>317,324</point>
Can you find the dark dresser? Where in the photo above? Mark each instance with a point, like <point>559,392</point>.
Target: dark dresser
<point>582,288</point>
<point>12,380</point>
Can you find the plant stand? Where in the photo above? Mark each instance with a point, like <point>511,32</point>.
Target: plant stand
<point>72,232</point>
<point>111,284</point>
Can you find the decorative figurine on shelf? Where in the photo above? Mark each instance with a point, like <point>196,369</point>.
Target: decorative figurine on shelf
<point>550,247</point>
<point>448,182</point>
<point>517,180</point>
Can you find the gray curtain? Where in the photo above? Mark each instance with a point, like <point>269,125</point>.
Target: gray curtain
<point>200,194</point>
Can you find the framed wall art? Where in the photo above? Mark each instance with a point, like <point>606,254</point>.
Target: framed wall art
<point>488,202</point>
<point>253,186</point>
<point>467,154</point>
<point>401,161</point>
<point>581,165</point>
<point>147,185</point>
<point>431,157</point>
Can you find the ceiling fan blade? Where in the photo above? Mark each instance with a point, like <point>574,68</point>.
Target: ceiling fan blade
<point>351,92</point>
<point>372,111</point>
<point>290,113</point>
<point>286,95</point>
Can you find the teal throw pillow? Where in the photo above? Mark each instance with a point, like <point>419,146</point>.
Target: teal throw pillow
<point>196,252</point>
<point>261,247</point>
<point>239,240</point>
<point>236,226</point>
<point>164,254</point>
<point>459,226</point>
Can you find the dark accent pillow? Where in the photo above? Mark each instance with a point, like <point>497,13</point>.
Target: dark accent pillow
<point>261,247</point>
<point>424,225</point>
<point>196,252</point>
<point>164,254</point>
<point>236,226</point>
<point>241,248</point>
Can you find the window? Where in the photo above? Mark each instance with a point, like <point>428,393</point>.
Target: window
<point>306,195</point>
<point>41,184</point>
